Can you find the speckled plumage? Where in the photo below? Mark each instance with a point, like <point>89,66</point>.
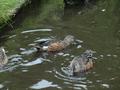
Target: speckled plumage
<point>3,57</point>
<point>82,63</point>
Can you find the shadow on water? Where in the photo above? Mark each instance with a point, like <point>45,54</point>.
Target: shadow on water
<point>96,28</point>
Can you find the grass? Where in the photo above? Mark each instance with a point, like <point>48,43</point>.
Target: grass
<point>8,8</point>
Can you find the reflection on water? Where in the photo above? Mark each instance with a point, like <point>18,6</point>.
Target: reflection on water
<point>36,30</point>
<point>93,28</point>
<point>1,86</point>
<point>43,84</point>
<point>35,62</point>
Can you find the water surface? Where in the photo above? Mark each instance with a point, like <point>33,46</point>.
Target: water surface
<point>97,27</point>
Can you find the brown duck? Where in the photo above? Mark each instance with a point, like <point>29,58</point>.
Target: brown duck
<point>55,46</point>
<point>82,63</point>
<point>3,57</point>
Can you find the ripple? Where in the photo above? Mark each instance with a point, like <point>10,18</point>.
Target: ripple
<point>12,36</point>
<point>44,84</point>
<point>13,63</point>
<point>37,30</point>
<point>67,54</point>
<point>79,46</point>
<point>8,68</point>
<point>35,62</point>
<point>43,39</point>
<point>1,86</point>
<point>28,52</point>
<point>105,85</point>
<point>14,56</point>
<point>79,41</point>
<point>69,81</point>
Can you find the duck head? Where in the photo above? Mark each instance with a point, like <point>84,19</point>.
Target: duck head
<point>88,54</point>
<point>68,40</point>
<point>80,63</point>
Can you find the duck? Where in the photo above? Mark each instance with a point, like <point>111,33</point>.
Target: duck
<point>50,46</point>
<point>82,63</point>
<point>3,57</point>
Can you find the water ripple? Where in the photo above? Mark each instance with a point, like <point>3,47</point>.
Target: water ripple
<point>35,62</point>
<point>36,30</point>
<point>44,84</point>
<point>69,81</point>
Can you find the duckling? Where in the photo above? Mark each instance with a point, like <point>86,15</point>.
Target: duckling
<point>3,57</point>
<point>81,63</point>
<point>55,46</point>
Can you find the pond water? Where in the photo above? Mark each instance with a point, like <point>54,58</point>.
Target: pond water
<point>96,27</point>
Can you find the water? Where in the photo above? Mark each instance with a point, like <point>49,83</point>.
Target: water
<point>95,27</point>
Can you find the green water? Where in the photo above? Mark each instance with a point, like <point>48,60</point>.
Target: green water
<point>97,26</point>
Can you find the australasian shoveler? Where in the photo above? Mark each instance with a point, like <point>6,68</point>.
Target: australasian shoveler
<point>82,63</point>
<point>55,46</point>
<point>3,57</point>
